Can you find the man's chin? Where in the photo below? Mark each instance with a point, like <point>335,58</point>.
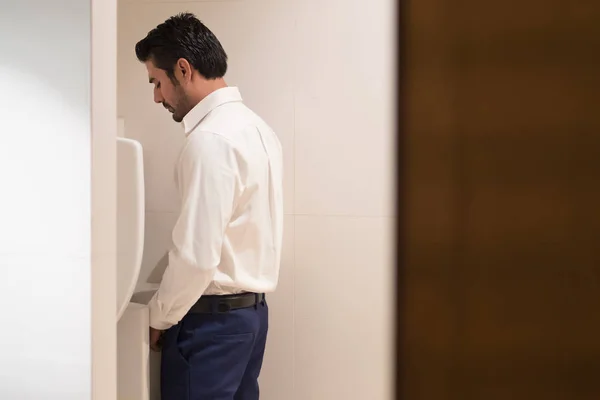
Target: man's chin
<point>177,118</point>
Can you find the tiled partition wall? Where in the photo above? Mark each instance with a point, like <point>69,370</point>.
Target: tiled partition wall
<point>320,72</point>
<point>57,208</point>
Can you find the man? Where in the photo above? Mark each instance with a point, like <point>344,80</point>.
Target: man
<point>209,317</point>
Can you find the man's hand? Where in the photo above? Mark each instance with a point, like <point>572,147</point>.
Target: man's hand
<point>155,339</point>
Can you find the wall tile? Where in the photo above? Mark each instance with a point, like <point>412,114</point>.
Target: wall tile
<point>344,85</point>
<point>343,285</point>
<point>157,243</point>
<point>277,377</point>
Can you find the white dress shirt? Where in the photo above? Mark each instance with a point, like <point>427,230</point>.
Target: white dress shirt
<point>228,236</point>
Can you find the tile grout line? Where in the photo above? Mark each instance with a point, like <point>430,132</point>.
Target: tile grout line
<point>339,216</point>
<point>294,311</point>
<point>294,94</point>
<point>353,216</point>
<point>179,1</point>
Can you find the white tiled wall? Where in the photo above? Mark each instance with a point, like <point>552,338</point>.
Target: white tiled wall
<point>320,73</point>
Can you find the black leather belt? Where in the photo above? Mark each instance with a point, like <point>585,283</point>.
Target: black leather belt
<point>226,303</point>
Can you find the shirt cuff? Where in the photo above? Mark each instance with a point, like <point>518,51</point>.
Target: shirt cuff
<point>157,319</point>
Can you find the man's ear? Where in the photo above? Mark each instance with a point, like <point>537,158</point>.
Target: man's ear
<point>185,69</point>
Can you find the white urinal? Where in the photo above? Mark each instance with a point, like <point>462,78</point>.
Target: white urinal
<point>133,354</point>
<point>130,219</point>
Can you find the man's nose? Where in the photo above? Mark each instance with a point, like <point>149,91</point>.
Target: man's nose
<point>157,97</point>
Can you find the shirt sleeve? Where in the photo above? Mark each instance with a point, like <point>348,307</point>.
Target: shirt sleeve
<point>210,183</point>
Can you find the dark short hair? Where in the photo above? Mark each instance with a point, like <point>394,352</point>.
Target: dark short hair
<point>183,36</point>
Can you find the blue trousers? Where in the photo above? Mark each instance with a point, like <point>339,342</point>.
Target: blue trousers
<point>215,356</point>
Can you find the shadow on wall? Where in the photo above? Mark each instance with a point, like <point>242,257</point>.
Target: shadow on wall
<point>158,270</point>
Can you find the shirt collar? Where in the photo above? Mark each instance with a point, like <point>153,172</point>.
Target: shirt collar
<point>209,103</point>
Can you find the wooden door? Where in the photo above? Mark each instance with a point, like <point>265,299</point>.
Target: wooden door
<point>501,269</point>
